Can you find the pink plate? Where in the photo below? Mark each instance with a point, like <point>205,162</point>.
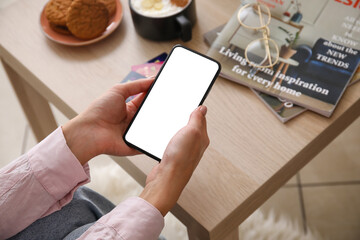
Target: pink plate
<point>73,41</point>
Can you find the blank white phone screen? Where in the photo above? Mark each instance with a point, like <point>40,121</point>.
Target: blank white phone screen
<point>177,92</point>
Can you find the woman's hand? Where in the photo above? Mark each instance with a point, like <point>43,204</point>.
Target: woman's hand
<point>100,128</point>
<point>166,181</point>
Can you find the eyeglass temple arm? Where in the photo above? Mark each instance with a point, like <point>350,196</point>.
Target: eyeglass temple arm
<point>265,35</point>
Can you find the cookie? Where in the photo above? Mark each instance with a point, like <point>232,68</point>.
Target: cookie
<point>60,29</point>
<point>87,19</point>
<point>56,11</point>
<point>110,5</point>
<point>180,3</point>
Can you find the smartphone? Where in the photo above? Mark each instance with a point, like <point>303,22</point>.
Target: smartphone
<point>181,85</point>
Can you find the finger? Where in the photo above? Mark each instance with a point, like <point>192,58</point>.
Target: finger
<point>134,104</point>
<point>135,87</point>
<point>137,100</point>
<point>197,117</point>
<point>198,120</point>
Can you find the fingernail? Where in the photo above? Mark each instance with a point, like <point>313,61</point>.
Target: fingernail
<point>150,77</point>
<point>203,110</point>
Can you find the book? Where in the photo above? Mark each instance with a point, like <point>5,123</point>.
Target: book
<point>144,70</point>
<point>282,109</point>
<point>325,52</point>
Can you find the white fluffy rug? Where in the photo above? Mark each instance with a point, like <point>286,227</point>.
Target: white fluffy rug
<point>273,227</point>
<point>113,182</point>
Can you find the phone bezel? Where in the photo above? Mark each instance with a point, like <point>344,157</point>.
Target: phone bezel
<point>150,88</point>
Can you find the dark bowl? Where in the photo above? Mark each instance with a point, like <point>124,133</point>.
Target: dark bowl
<point>178,25</point>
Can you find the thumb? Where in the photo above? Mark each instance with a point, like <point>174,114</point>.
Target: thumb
<point>197,117</point>
<point>202,109</point>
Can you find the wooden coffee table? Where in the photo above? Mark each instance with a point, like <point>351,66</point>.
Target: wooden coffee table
<point>251,155</point>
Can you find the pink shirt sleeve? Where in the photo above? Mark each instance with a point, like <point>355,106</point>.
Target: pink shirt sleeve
<point>38,183</point>
<point>45,179</point>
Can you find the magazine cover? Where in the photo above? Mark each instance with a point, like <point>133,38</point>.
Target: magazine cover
<point>318,50</point>
<point>282,109</point>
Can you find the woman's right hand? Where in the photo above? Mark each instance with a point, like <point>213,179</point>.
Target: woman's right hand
<point>166,181</point>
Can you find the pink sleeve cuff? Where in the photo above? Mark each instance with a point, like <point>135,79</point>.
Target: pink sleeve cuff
<point>57,168</point>
<point>134,218</point>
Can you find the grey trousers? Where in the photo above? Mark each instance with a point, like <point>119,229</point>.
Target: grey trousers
<point>72,220</point>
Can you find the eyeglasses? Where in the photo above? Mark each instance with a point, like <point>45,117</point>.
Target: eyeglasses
<point>262,52</point>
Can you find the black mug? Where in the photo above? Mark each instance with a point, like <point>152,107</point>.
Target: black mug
<point>168,27</point>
